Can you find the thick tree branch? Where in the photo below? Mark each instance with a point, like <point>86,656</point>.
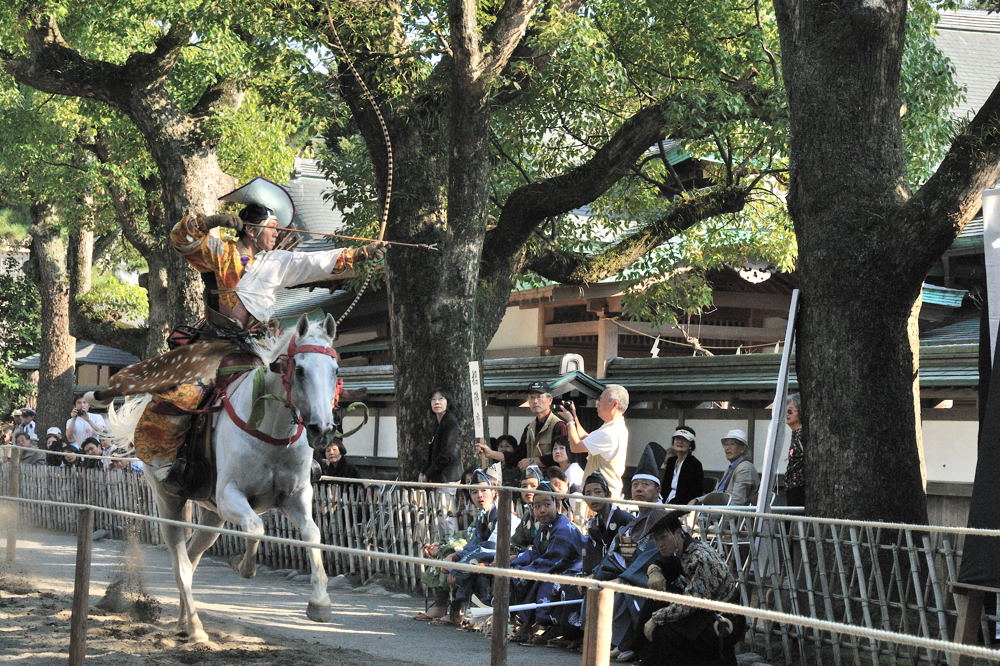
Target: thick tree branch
<point>505,35</point>
<point>465,42</point>
<point>951,197</point>
<point>224,94</point>
<point>529,204</point>
<point>681,214</point>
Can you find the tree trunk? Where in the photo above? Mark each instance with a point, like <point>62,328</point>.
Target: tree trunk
<point>81,261</point>
<point>857,352</point>
<point>57,371</point>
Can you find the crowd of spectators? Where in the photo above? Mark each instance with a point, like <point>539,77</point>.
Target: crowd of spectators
<point>562,533</point>
<point>84,434</point>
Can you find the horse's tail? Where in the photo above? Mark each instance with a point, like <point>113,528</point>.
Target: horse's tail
<point>122,422</point>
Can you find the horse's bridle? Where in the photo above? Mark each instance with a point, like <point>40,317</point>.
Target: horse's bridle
<point>286,368</point>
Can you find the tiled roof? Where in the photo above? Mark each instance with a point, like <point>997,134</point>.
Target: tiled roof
<point>971,40</point>
<point>87,353</point>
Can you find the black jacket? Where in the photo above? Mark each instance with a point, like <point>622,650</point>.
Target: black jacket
<point>689,483</point>
<point>445,462</point>
<point>342,469</point>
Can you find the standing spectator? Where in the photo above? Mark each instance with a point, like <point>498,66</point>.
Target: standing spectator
<point>607,446</point>
<point>335,463</point>
<point>54,441</point>
<point>26,422</point>
<point>107,448</point>
<point>795,472</point>
<point>573,472</point>
<point>506,445</point>
<point>740,479</point>
<point>535,447</point>
<point>6,437</point>
<point>33,457</point>
<point>82,424</point>
<point>445,462</point>
<point>683,474</point>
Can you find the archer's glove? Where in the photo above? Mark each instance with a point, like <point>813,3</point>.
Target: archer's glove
<point>657,581</point>
<point>224,220</point>
<point>649,628</point>
<point>372,251</point>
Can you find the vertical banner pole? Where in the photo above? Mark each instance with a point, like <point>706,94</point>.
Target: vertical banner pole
<point>14,488</point>
<point>81,588</point>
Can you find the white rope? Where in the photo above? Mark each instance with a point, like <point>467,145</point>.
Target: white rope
<point>684,600</point>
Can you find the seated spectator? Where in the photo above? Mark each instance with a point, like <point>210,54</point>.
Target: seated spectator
<point>740,479</point>
<point>108,447</point>
<point>33,457</point>
<point>92,447</point>
<point>71,458</point>
<point>505,445</point>
<point>630,553</point>
<point>681,635</point>
<point>54,441</point>
<point>524,535</point>
<point>335,463</point>
<point>683,473</point>
<point>132,466</point>
<point>604,525</point>
<point>560,484</point>
<point>557,549</point>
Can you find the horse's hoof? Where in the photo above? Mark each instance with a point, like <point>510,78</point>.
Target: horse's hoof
<point>318,613</point>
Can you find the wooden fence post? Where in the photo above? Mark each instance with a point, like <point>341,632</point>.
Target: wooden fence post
<point>597,627</point>
<point>15,491</point>
<point>81,588</point>
<point>501,584</point>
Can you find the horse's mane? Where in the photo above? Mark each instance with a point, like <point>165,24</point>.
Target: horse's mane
<point>270,347</point>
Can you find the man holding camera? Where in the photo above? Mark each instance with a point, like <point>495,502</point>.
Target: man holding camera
<point>535,447</point>
<point>82,424</point>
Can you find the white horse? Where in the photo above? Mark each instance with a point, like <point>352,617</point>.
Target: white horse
<point>254,475</point>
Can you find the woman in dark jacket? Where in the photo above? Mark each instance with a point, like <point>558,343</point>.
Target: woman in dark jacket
<point>335,463</point>
<point>680,487</point>
<point>445,462</point>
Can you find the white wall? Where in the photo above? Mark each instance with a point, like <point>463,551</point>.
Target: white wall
<point>950,450</point>
<point>518,329</point>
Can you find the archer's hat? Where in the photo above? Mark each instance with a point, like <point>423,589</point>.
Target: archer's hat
<point>479,476</point>
<point>597,477</point>
<point>647,467</point>
<point>546,486</point>
<point>534,472</point>
<point>264,192</point>
<point>27,411</point>
<point>495,473</point>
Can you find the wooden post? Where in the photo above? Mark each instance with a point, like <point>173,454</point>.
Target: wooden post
<point>15,491</point>
<point>501,585</point>
<point>970,610</point>
<point>597,627</point>
<point>81,588</point>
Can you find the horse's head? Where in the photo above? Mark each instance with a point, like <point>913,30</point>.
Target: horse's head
<point>311,371</point>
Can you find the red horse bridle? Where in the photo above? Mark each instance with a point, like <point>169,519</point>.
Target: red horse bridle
<point>286,368</point>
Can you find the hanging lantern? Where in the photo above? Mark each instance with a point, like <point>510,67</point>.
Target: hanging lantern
<point>756,271</point>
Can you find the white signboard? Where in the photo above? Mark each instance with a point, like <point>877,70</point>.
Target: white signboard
<point>477,400</point>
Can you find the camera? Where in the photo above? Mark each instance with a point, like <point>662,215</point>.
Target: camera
<point>559,405</point>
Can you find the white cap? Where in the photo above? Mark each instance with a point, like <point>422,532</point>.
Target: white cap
<point>736,433</point>
<point>54,431</point>
<point>685,433</point>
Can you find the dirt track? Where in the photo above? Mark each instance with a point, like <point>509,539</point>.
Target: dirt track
<point>260,621</point>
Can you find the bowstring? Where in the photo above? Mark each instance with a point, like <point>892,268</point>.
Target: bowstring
<point>367,94</point>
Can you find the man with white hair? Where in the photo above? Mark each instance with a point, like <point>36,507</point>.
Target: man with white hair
<point>606,447</point>
<point>740,479</point>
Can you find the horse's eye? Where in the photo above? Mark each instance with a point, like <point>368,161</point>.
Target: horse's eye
<point>300,372</point>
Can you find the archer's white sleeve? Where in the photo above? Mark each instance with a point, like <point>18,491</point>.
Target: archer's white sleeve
<point>279,269</point>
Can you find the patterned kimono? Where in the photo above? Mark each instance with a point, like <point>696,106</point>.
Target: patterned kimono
<point>557,549</point>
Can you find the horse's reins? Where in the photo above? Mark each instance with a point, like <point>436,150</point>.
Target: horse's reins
<point>252,424</point>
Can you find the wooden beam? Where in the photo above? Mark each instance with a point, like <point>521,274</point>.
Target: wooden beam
<point>607,345</point>
<point>734,299</point>
<point>742,333</point>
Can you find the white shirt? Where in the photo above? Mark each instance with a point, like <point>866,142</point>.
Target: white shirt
<point>82,430</point>
<point>673,481</point>
<point>607,448</point>
<point>277,269</point>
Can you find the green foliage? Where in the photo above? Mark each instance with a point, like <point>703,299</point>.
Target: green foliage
<point>112,300</point>
<point>20,330</point>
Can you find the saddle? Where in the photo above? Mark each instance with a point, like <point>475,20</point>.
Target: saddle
<point>193,473</point>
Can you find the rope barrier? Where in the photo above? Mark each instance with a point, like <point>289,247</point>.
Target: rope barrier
<point>669,597</point>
